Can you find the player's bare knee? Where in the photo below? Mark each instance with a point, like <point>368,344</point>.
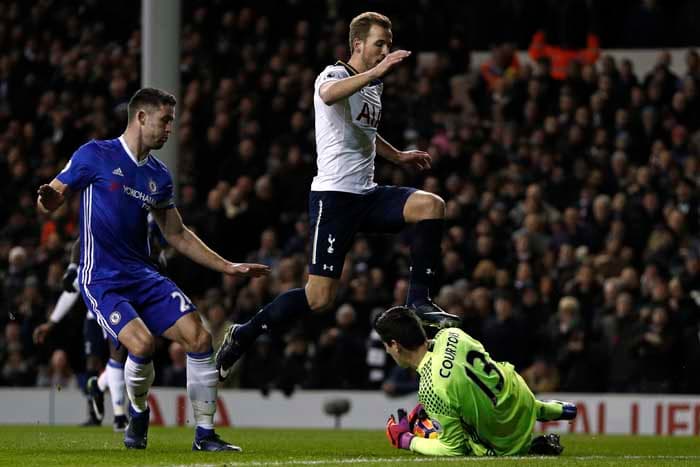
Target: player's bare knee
<point>143,346</point>
<point>423,206</point>
<point>433,207</point>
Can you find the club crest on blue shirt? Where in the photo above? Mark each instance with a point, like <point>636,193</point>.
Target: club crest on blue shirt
<point>115,317</point>
<point>152,186</point>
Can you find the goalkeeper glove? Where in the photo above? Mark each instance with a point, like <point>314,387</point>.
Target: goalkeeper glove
<point>399,433</point>
<point>69,278</point>
<point>418,413</point>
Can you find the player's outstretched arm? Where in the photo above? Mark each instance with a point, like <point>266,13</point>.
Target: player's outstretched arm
<point>63,306</point>
<point>51,196</point>
<point>333,91</point>
<point>414,159</point>
<point>187,243</point>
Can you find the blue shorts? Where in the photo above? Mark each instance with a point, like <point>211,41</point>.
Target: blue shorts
<point>335,217</point>
<point>95,338</point>
<point>159,303</point>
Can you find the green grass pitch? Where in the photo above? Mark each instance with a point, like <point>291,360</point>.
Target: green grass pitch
<point>24,446</point>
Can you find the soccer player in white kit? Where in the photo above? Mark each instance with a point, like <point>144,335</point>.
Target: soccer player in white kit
<point>344,198</point>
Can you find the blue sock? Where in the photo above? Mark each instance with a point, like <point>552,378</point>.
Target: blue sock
<point>201,433</point>
<point>425,259</point>
<point>276,316</point>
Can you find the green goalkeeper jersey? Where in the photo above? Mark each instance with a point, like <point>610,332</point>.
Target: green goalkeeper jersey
<point>484,407</point>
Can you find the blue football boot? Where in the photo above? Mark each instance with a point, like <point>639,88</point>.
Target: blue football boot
<point>136,434</point>
<point>208,440</point>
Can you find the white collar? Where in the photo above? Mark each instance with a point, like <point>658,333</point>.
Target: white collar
<point>130,154</point>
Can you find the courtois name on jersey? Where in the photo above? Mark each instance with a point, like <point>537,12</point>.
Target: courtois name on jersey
<point>346,134</point>
<point>117,193</point>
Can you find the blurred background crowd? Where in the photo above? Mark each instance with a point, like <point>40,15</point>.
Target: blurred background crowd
<point>571,246</point>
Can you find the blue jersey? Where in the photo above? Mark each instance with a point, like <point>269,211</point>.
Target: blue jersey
<point>117,192</point>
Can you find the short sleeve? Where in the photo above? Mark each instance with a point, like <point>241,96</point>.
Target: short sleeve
<point>330,74</point>
<point>80,171</point>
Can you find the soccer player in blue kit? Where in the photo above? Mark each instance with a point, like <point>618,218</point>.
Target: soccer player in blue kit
<point>120,183</point>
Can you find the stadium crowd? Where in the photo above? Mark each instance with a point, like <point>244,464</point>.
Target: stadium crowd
<point>571,247</point>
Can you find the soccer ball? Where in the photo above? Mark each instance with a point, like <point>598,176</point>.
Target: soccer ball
<point>426,428</point>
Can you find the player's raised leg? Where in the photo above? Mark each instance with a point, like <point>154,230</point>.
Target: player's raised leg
<point>332,236</point>
<point>276,316</point>
<point>201,381</point>
<point>427,212</point>
<point>555,410</point>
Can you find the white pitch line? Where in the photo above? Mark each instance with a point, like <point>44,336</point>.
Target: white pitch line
<point>418,460</point>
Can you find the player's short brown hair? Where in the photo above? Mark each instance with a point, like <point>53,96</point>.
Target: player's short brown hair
<point>400,324</point>
<point>361,24</point>
<point>149,97</point>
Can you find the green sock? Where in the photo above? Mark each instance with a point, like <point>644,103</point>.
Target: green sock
<point>548,410</point>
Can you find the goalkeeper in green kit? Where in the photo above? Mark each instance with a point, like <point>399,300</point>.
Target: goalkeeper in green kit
<point>484,408</point>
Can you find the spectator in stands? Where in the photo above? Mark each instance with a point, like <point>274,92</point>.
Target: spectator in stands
<point>654,350</point>
<point>619,332</point>
<point>58,374</point>
<point>400,382</point>
<point>505,334</point>
<point>175,374</point>
<point>541,376</point>
<point>340,355</point>
<point>294,368</point>
<point>260,368</point>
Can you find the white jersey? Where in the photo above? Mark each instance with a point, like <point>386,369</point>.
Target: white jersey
<point>346,135</point>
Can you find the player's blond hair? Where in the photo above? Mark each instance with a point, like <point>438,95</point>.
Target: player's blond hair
<point>361,24</point>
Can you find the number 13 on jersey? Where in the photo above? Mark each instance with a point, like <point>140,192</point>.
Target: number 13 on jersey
<point>480,369</point>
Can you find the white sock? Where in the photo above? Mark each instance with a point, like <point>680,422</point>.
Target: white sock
<point>139,374</point>
<point>117,390</point>
<point>102,381</point>
<point>202,379</point>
